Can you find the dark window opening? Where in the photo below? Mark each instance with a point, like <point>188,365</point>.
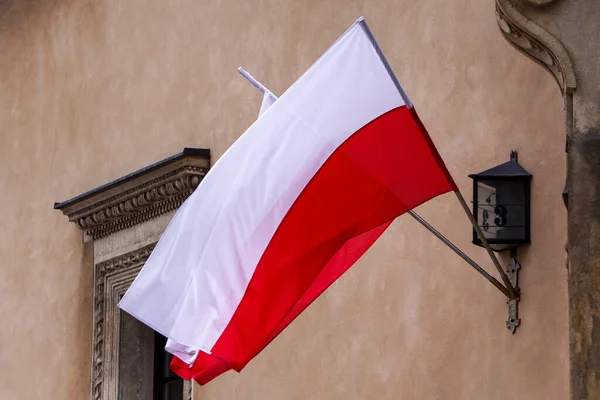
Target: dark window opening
<point>167,384</point>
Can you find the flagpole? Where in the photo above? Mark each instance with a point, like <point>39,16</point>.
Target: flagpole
<point>507,283</point>
<point>385,62</point>
<point>253,80</point>
<point>408,103</point>
<point>465,257</point>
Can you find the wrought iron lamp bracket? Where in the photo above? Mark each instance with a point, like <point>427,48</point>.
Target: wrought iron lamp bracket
<point>513,321</point>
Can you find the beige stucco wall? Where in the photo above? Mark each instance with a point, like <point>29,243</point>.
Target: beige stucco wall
<point>92,90</point>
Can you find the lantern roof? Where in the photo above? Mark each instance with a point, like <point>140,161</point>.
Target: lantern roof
<point>510,169</point>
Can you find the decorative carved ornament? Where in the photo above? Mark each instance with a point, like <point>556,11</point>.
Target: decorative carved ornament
<point>138,197</point>
<point>536,43</point>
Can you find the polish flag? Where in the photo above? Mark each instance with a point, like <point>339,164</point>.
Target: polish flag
<point>294,202</point>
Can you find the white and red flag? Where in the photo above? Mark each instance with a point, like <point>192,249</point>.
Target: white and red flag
<point>294,202</point>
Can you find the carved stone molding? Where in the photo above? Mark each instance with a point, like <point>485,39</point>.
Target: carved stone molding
<point>137,197</point>
<point>539,3</point>
<point>546,50</point>
<point>111,280</point>
<point>536,43</point>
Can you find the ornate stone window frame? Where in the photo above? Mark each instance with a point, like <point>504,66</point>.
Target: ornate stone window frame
<point>125,219</point>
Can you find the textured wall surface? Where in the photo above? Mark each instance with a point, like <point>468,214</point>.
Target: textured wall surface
<point>92,90</point>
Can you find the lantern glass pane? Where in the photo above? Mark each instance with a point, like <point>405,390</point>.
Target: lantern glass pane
<point>501,212</point>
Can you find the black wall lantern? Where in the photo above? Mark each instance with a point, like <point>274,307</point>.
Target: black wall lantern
<point>501,208</point>
<point>501,204</point>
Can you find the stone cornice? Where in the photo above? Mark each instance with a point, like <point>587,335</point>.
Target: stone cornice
<point>137,197</point>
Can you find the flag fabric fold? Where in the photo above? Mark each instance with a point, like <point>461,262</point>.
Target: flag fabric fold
<point>293,203</point>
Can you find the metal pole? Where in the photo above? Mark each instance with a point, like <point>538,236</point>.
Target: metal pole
<point>509,286</point>
<point>408,103</point>
<point>253,80</point>
<point>465,257</point>
<point>384,61</point>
